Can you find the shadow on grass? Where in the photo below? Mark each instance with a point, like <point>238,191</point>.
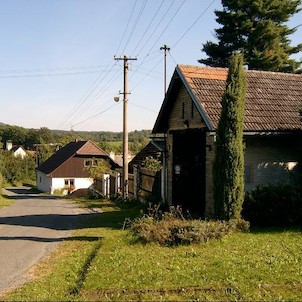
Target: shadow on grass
<point>275,230</point>
<point>114,219</point>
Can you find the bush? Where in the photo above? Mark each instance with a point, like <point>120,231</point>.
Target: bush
<point>274,205</point>
<point>171,228</point>
<point>1,183</point>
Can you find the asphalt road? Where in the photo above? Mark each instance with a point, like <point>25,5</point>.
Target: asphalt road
<point>29,229</point>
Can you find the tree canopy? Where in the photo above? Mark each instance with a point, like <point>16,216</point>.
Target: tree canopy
<point>259,29</point>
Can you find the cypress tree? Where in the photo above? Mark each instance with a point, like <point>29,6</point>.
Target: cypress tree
<point>229,160</point>
<point>258,29</point>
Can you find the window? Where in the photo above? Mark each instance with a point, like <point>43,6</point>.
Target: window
<point>90,162</point>
<point>69,182</point>
<point>183,110</point>
<point>87,162</point>
<point>192,109</point>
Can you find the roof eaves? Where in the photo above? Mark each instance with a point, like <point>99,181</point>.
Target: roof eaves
<point>195,100</point>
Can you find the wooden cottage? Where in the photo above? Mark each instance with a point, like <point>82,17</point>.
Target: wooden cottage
<point>68,167</point>
<point>188,119</point>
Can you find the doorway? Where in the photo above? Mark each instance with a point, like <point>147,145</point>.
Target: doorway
<point>188,182</point>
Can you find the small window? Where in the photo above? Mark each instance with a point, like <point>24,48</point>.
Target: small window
<point>40,179</point>
<point>192,109</point>
<point>94,163</point>
<point>183,110</point>
<point>69,182</point>
<point>87,162</point>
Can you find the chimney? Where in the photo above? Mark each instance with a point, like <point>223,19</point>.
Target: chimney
<point>9,145</point>
<point>112,155</point>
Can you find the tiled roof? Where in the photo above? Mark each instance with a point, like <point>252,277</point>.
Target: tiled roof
<point>272,99</point>
<point>148,150</point>
<point>83,148</point>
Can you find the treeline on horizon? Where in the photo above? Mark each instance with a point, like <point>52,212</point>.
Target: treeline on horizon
<point>110,141</point>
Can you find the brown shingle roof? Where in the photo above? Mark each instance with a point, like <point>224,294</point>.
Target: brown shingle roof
<point>272,99</point>
<point>82,148</point>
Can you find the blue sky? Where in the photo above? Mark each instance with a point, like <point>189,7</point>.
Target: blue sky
<point>57,66</point>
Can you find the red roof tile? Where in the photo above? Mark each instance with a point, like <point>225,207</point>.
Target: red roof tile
<point>272,99</point>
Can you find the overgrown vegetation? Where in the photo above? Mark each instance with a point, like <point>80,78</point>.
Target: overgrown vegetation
<point>229,160</point>
<point>15,170</point>
<point>274,205</point>
<point>153,163</point>
<point>172,228</point>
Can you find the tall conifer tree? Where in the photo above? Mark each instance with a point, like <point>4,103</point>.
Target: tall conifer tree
<point>258,29</point>
<point>229,161</point>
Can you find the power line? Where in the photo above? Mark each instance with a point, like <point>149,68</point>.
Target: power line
<point>164,28</point>
<point>135,23</point>
<point>91,117</point>
<point>168,24</point>
<point>193,24</point>
<point>48,74</point>
<point>50,69</point>
<point>150,23</point>
<point>161,20</point>
<point>126,28</point>
<point>148,109</point>
<point>86,96</point>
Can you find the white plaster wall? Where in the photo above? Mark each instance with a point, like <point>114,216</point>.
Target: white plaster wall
<point>79,183</point>
<point>20,153</point>
<point>43,182</point>
<point>49,185</point>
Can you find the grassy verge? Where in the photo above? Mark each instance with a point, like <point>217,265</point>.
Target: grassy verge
<point>101,262</point>
<point>4,202</point>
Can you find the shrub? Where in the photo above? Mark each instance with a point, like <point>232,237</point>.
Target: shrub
<point>1,183</point>
<point>171,228</point>
<point>274,205</point>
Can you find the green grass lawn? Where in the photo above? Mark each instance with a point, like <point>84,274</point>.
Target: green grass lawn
<point>102,262</point>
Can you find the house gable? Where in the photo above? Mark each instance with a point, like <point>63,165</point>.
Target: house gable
<point>184,113</point>
<point>272,99</point>
<point>70,159</point>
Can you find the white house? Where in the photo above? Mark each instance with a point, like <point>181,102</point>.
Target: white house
<point>68,167</point>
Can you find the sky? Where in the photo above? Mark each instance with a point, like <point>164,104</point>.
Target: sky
<point>58,68</point>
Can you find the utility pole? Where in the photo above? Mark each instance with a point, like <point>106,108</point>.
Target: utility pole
<point>125,126</point>
<point>166,49</point>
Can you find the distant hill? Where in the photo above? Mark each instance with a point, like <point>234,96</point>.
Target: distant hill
<point>2,124</point>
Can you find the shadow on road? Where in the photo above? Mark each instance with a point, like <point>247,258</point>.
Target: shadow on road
<point>43,239</point>
<point>26,193</point>
<point>58,222</point>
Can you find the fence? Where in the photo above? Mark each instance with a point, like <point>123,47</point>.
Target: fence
<point>142,183</point>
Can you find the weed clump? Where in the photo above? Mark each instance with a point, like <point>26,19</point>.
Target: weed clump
<point>172,228</point>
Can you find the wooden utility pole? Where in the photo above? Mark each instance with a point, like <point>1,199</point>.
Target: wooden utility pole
<point>125,126</point>
<point>166,49</point>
